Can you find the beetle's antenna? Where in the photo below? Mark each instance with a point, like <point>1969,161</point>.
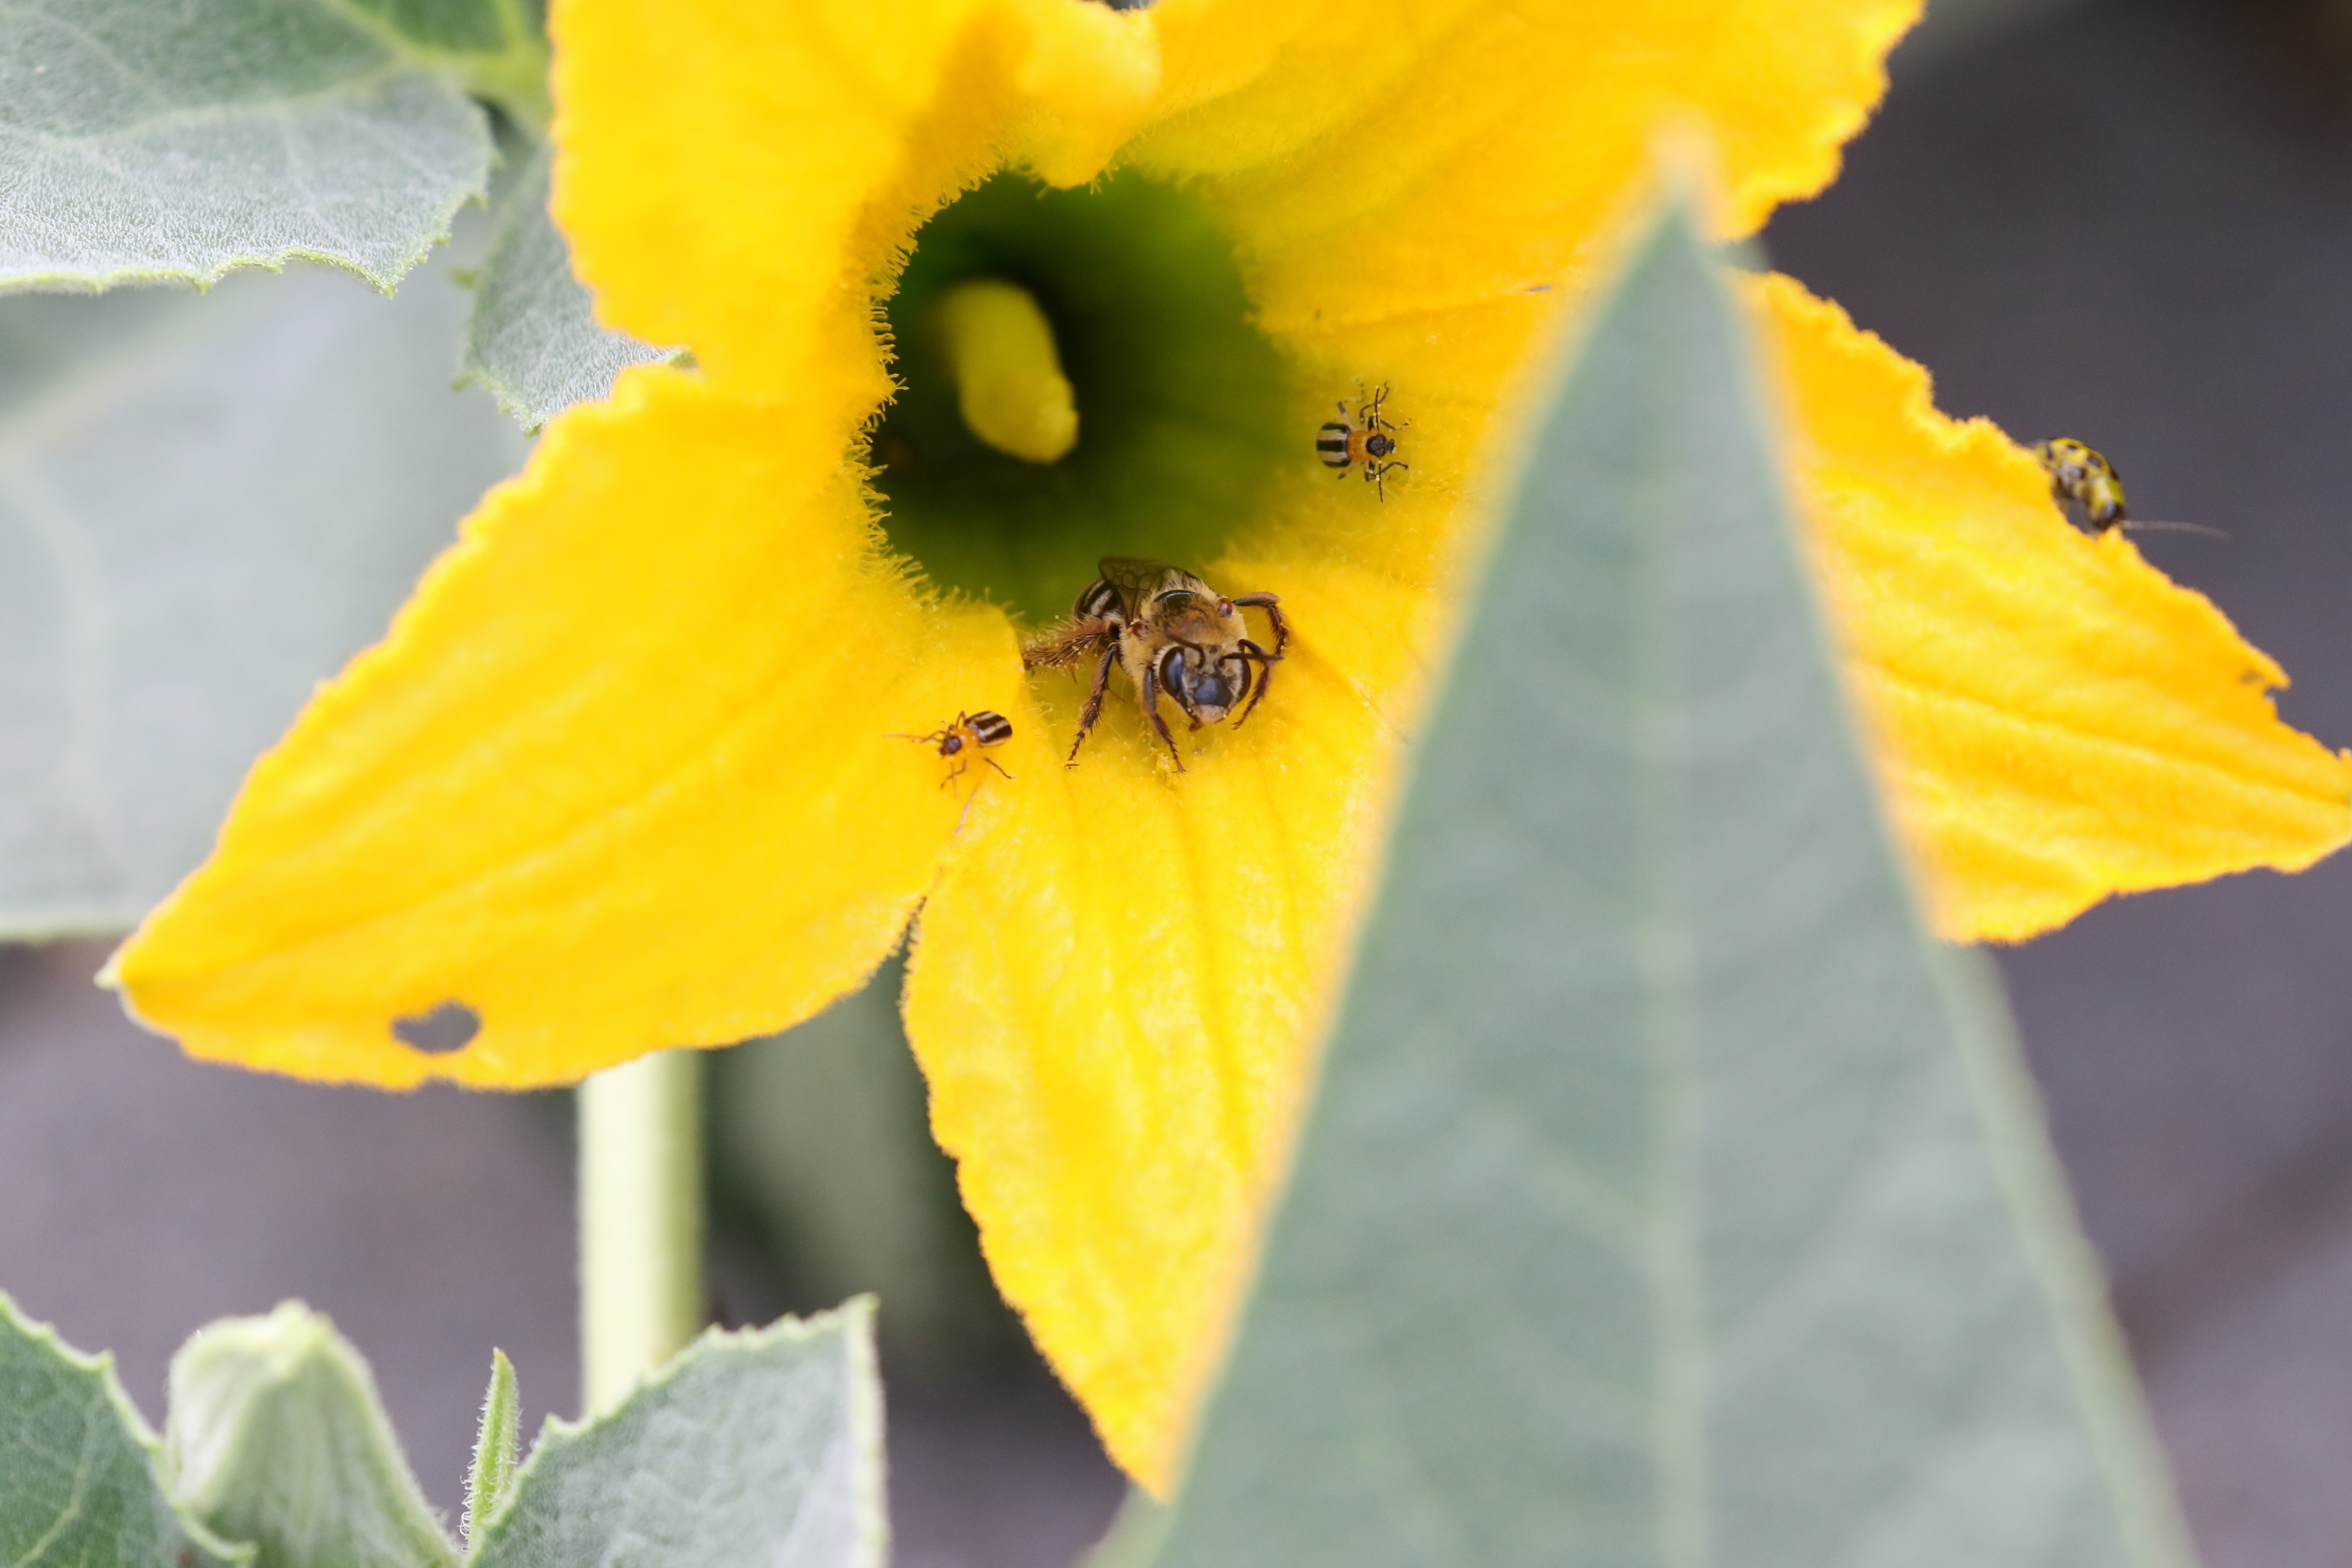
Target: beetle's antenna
<point>2136,525</point>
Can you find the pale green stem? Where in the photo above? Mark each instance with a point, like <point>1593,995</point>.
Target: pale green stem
<point>641,1291</point>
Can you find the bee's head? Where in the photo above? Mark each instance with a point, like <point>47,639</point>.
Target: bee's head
<point>1206,688</point>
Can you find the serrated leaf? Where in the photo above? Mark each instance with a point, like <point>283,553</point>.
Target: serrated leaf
<point>144,140</point>
<point>1670,1198</point>
<point>206,506</point>
<point>760,1446</point>
<point>276,1437</point>
<point>532,338</point>
<point>79,1487</point>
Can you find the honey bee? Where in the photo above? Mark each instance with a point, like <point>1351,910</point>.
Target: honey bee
<point>1174,635</point>
<point>962,739</point>
<point>2085,478</point>
<point>1369,440</point>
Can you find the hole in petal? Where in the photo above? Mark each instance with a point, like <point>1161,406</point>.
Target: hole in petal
<point>1180,400</point>
<point>451,1026</point>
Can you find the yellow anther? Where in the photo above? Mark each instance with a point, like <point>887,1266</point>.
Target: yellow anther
<point>1009,381</point>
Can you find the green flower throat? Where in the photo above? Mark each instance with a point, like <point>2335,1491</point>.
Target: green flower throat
<point>1179,399</point>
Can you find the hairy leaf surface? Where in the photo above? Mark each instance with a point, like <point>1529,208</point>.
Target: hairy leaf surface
<point>760,1446</point>
<point>532,338</point>
<point>206,506</point>
<point>1671,1198</point>
<point>79,1487</point>
<point>276,1437</point>
<point>146,142</point>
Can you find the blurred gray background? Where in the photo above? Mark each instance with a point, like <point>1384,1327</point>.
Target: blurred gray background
<point>2128,221</point>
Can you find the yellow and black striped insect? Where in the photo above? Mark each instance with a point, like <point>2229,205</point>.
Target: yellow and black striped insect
<point>2084,478</point>
<point>964,738</point>
<point>1367,437</point>
<point>1174,635</point>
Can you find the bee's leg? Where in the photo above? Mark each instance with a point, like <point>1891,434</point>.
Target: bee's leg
<point>1257,687</point>
<point>1272,605</point>
<point>1094,701</point>
<point>1151,706</point>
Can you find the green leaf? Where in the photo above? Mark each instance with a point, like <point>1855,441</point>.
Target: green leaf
<point>146,141</point>
<point>760,1447</point>
<point>79,1487</point>
<point>494,1449</point>
<point>276,1437</point>
<point>533,339</point>
<point>206,506</point>
<point>1670,1198</point>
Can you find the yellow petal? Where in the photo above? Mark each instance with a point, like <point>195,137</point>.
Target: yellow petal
<point>1377,161</point>
<point>2058,719</point>
<point>734,178</point>
<point>1113,989</point>
<point>620,776</point>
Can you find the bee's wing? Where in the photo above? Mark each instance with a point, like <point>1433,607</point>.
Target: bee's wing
<point>1137,582</point>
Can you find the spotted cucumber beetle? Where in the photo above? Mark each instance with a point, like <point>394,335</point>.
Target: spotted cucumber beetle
<point>2084,478</point>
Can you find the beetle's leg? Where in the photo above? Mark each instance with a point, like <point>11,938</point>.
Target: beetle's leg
<point>992,763</point>
<point>1272,605</point>
<point>1151,706</point>
<point>1094,701</point>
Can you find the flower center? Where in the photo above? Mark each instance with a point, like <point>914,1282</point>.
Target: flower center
<point>1079,377</point>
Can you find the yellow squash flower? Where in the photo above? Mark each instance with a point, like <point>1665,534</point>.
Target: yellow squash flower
<point>623,774</point>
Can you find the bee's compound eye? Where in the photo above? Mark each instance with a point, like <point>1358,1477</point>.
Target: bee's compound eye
<point>1171,675</point>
